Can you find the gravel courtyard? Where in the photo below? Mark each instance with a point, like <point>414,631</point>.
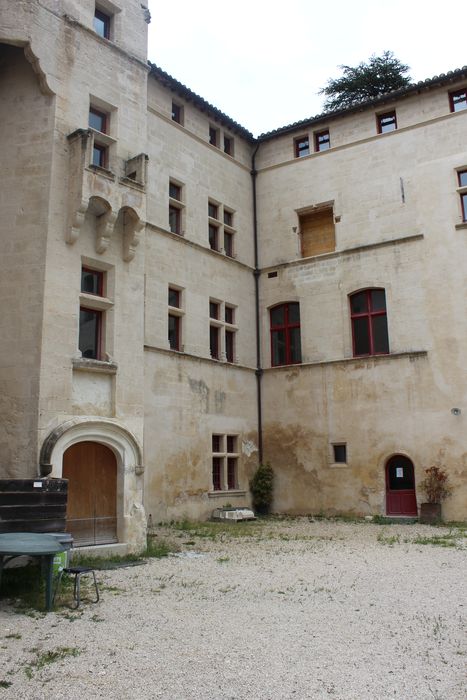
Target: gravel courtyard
<point>282,609</point>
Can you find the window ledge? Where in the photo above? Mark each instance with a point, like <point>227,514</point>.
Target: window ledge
<point>411,355</point>
<point>108,174</point>
<point>222,494</point>
<point>83,364</point>
<point>93,301</point>
<point>461,226</point>
<point>129,182</point>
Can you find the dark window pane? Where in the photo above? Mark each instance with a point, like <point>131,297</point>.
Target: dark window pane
<point>295,347</point>
<point>277,316</point>
<point>174,219</point>
<point>174,332</point>
<point>359,303</point>
<point>214,342</point>
<point>213,210</point>
<point>91,282</point>
<point>231,443</point>
<point>228,218</point>
<point>380,334</point>
<point>228,244</point>
<point>361,336</point>
<point>387,122</point>
<point>294,313</point>
<point>102,24</point>
<point>340,454</point>
<point>229,345</point>
<point>213,230</point>
<point>231,472</point>
<point>213,309</point>
<point>228,146</point>
<point>174,297</point>
<point>278,348</point>
<point>463,178</point>
<point>98,120</point>
<point>378,300</point>
<point>464,207</point>
<point>99,155</point>
<point>176,113</point>
<point>89,333</point>
<point>175,191</point>
<point>216,473</point>
<point>213,136</point>
<point>216,443</point>
<point>401,474</point>
<point>229,314</point>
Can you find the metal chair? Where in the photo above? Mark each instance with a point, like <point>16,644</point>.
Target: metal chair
<point>77,572</point>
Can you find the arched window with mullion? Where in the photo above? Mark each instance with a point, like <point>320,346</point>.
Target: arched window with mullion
<point>369,322</point>
<point>285,334</point>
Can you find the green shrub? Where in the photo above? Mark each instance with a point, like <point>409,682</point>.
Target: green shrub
<point>262,485</point>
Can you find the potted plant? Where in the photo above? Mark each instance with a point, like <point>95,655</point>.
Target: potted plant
<point>436,487</point>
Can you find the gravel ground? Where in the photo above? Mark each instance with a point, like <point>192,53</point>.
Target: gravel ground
<point>296,609</point>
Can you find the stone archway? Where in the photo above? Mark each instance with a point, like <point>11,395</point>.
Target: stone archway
<point>129,510</point>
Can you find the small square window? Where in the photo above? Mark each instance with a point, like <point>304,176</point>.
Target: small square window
<point>322,141</point>
<point>175,191</point>
<point>174,298</point>
<point>228,145</point>
<point>458,100</point>
<point>177,113</point>
<point>340,453</point>
<point>102,24</point>
<point>301,146</point>
<point>214,136</point>
<point>92,281</point>
<point>386,122</point>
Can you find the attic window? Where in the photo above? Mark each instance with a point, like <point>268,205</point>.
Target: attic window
<point>177,113</point>
<point>214,136</point>
<point>458,100</point>
<point>301,146</point>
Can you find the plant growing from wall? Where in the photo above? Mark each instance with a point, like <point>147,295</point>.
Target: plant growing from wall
<point>262,487</point>
<point>435,485</point>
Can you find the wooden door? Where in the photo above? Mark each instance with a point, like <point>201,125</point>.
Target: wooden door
<point>400,487</point>
<point>91,470</point>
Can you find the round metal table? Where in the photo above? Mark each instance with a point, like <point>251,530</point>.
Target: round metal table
<point>32,544</point>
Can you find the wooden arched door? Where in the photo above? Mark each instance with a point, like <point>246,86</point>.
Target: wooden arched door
<point>91,470</point>
<point>400,487</point>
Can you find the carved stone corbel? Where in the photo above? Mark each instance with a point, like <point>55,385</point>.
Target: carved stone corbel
<point>105,224</point>
<point>76,221</point>
<point>78,203</point>
<point>132,227</point>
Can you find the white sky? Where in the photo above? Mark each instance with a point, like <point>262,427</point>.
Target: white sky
<point>262,62</point>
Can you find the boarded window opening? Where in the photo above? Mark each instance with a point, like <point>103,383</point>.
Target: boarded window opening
<point>317,232</point>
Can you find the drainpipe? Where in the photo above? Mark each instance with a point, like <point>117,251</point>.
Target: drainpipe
<point>256,274</point>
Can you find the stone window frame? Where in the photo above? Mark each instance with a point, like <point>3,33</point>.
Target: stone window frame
<point>221,233</point>
<point>223,331</point>
<point>321,142</point>
<point>98,304</point>
<point>334,461</point>
<point>176,209</point>
<point>390,126</point>
<point>286,327</point>
<point>370,314</point>
<point>224,462</point>
<point>453,105</point>
<point>176,312</point>
<point>301,146</point>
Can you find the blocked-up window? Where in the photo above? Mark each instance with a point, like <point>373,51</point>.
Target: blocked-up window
<point>317,232</point>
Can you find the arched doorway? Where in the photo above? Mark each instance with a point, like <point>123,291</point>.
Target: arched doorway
<point>91,470</point>
<point>400,486</point>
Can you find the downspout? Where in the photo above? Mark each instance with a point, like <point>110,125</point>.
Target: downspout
<point>256,274</point>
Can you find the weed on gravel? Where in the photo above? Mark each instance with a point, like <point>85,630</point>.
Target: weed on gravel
<point>49,657</point>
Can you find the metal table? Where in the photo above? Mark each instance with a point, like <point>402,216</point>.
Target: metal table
<point>32,544</point>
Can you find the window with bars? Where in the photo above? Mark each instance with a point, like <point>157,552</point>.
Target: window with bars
<point>225,458</point>
<point>369,322</point>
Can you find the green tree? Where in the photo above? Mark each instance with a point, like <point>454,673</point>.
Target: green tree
<point>380,75</point>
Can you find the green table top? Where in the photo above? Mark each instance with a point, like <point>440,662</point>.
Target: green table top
<point>31,543</point>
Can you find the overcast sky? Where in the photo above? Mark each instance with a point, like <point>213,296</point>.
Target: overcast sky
<point>262,63</point>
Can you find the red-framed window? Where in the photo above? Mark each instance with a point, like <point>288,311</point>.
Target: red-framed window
<point>92,281</point>
<point>302,146</point>
<point>90,333</point>
<point>369,322</point>
<point>285,334</point>
<point>217,473</point>
<point>386,122</point>
<point>462,176</point>
<point>458,100</point>
<point>322,140</point>
<point>102,24</point>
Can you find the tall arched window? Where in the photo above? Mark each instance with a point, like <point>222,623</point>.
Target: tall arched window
<point>369,322</point>
<point>285,334</point>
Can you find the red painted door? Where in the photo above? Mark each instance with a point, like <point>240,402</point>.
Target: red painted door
<point>400,487</point>
<point>91,470</point>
